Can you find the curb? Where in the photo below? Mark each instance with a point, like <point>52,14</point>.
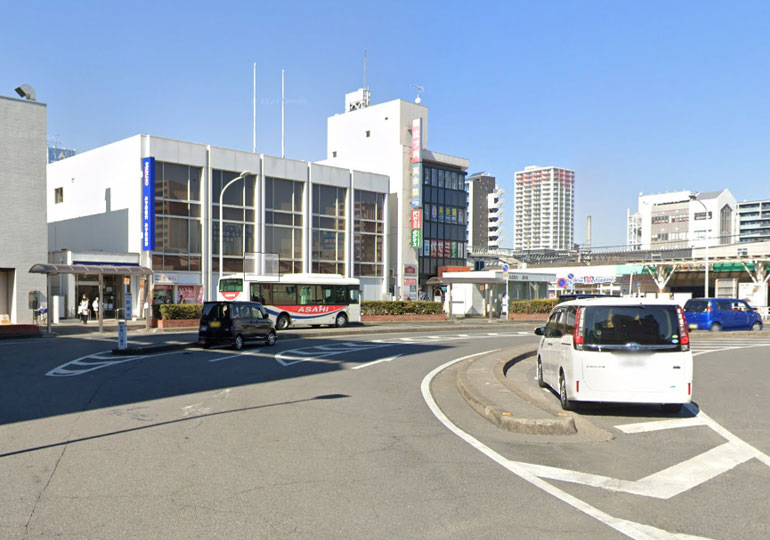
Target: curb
<point>149,349</point>
<point>505,419</point>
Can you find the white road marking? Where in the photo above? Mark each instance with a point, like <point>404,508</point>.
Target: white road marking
<point>306,354</point>
<point>637,531</point>
<point>492,334</point>
<point>388,359</point>
<point>674,423</point>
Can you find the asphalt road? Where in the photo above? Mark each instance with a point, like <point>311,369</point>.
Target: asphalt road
<point>362,437</point>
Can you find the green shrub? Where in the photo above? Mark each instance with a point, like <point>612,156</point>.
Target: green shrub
<point>532,306</point>
<point>180,311</point>
<point>401,308</point>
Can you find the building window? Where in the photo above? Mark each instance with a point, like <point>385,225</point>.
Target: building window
<point>177,217</point>
<point>58,195</point>
<point>369,231</point>
<point>283,223</point>
<point>328,229</point>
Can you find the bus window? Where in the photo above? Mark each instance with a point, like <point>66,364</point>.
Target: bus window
<point>234,284</point>
<point>284,294</point>
<point>353,294</point>
<point>261,293</point>
<point>333,294</point>
<point>308,295</point>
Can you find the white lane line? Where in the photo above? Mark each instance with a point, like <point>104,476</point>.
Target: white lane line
<point>492,334</point>
<point>462,335</point>
<point>407,339</point>
<point>675,423</point>
<point>663,484</point>
<point>633,530</point>
<point>368,364</point>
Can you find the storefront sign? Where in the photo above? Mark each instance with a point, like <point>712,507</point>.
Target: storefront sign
<point>454,250</point>
<point>148,204</point>
<point>417,219</point>
<point>410,270</point>
<point>416,163</point>
<point>416,185</point>
<point>416,140</point>
<point>410,282</point>
<point>571,280</point>
<point>416,238</point>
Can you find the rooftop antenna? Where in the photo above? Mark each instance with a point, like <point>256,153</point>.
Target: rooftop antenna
<point>365,87</point>
<point>419,89</point>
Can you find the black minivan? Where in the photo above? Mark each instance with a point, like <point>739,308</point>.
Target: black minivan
<point>234,323</point>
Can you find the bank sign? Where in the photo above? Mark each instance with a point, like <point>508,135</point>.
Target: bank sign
<point>148,204</point>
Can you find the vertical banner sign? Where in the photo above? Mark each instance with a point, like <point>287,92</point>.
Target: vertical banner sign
<point>417,219</point>
<point>416,239</point>
<point>416,163</point>
<point>148,204</point>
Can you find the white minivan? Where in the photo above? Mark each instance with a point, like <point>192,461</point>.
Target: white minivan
<point>617,350</point>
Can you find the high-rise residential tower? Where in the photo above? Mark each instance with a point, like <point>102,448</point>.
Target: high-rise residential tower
<point>485,211</point>
<point>544,209</point>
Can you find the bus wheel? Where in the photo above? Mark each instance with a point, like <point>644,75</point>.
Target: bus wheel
<point>341,320</point>
<point>282,322</point>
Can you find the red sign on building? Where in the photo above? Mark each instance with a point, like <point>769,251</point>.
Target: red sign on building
<point>417,218</point>
<point>416,140</point>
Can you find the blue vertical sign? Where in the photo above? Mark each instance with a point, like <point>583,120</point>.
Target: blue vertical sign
<point>148,204</point>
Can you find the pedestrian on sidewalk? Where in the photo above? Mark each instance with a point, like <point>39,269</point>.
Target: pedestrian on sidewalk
<point>83,309</point>
<point>95,305</point>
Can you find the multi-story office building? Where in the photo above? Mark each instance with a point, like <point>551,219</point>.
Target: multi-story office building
<point>157,200</point>
<point>682,219</point>
<point>23,233</point>
<point>485,211</point>
<point>544,209</point>
<point>427,223</point>
<point>754,221</point>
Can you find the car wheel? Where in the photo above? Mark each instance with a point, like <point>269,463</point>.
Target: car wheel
<point>716,327</point>
<point>282,322</point>
<point>756,327</point>
<point>566,404</point>
<point>341,320</point>
<point>238,342</point>
<point>671,408</point>
<point>540,381</point>
<point>271,337</point>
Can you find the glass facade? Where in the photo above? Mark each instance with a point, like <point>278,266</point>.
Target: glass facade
<point>178,226</point>
<point>283,222</point>
<point>444,231</point>
<point>369,233</point>
<point>238,215</point>
<point>328,229</point>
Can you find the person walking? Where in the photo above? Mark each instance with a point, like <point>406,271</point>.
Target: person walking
<point>95,305</point>
<point>83,310</point>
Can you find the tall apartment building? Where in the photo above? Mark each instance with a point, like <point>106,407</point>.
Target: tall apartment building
<point>23,233</point>
<point>754,221</point>
<point>485,211</point>
<point>427,189</point>
<point>682,219</point>
<point>544,209</point>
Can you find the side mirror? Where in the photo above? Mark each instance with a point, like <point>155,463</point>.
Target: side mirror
<point>540,331</point>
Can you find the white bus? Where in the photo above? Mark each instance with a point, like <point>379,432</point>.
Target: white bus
<point>294,299</point>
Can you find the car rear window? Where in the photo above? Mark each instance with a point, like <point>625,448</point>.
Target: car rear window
<point>619,325</point>
<point>696,306</point>
<point>214,311</point>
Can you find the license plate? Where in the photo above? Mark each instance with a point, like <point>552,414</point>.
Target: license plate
<point>693,327</point>
<point>216,324</point>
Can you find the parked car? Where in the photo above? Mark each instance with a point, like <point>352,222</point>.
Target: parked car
<point>234,323</point>
<point>717,314</point>
<point>619,350</point>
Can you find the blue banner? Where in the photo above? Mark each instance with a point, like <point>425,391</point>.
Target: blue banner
<point>148,204</point>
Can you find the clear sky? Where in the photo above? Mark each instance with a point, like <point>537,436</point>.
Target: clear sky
<point>641,96</point>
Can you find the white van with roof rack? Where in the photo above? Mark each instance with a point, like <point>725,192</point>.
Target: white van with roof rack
<point>617,350</point>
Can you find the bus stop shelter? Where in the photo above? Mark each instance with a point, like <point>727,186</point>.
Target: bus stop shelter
<point>98,270</point>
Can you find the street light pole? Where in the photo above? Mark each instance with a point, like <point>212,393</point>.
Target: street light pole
<point>241,176</point>
<point>706,257</point>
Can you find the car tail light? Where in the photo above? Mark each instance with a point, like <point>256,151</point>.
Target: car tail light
<point>684,333</point>
<point>579,334</point>
<point>577,387</point>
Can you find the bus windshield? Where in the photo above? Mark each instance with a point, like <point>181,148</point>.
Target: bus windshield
<point>231,284</point>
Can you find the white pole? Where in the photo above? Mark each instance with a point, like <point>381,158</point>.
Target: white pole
<point>254,124</point>
<point>283,113</point>
<point>241,176</point>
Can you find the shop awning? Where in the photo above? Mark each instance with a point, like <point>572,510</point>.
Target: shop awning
<point>91,269</point>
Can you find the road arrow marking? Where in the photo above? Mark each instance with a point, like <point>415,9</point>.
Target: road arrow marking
<point>388,359</point>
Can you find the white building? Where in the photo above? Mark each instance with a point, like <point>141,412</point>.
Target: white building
<point>485,211</point>
<point>683,219</point>
<point>544,209</point>
<point>754,221</point>
<point>392,139</point>
<point>155,202</point>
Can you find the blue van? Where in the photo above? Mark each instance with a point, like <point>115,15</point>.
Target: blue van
<point>717,314</point>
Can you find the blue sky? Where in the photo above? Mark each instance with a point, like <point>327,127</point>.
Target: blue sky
<point>634,96</point>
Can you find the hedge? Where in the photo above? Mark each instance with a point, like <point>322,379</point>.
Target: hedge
<point>180,311</point>
<point>533,306</point>
<point>401,308</point>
